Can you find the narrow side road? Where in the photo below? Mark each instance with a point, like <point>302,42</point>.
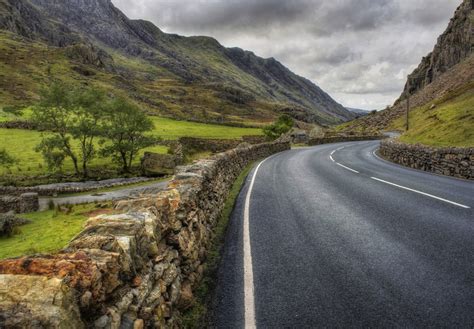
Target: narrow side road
<point>338,237</point>
<point>97,196</point>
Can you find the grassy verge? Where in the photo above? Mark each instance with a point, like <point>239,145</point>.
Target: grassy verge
<point>49,231</point>
<point>198,315</point>
<point>449,123</point>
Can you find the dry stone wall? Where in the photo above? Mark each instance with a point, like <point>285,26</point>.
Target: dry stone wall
<point>451,161</point>
<point>26,202</point>
<point>338,139</point>
<point>193,144</point>
<point>130,270</point>
<point>71,187</point>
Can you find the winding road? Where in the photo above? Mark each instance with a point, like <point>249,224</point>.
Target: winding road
<point>333,236</point>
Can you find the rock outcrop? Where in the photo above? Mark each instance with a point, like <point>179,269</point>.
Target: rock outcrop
<point>453,46</point>
<point>449,67</point>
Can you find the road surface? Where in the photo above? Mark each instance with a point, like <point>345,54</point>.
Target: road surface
<point>333,236</point>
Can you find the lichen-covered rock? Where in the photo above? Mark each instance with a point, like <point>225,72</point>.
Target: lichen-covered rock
<point>37,302</point>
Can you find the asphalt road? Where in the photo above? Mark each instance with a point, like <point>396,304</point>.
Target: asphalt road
<point>338,247</point>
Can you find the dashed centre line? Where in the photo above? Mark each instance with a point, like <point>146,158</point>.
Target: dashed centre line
<point>422,193</point>
<point>393,184</point>
<point>345,167</point>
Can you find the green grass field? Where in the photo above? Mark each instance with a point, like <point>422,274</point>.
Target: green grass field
<point>173,129</point>
<point>49,231</point>
<point>21,144</point>
<point>450,123</point>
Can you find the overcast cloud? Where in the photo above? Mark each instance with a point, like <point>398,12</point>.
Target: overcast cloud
<point>359,51</point>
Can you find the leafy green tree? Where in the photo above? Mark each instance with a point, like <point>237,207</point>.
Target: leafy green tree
<point>70,115</point>
<point>126,130</point>
<point>6,160</point>
<point>53,152</point>
<point>90,110</point>
<point>53,114</point>
<point>280,127</point>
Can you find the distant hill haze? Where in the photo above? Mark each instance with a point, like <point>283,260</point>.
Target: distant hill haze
<point>359,112</point>
<point>448,70</point>
<point>185,77</point>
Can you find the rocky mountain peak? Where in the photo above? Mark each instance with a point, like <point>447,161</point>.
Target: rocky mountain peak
<point>453,46</point>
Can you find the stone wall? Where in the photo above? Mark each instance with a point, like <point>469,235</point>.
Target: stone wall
<point>26,202</point>
<point>251,139</point>
<point>134,269</point>
<point>159,164</point>
<point>338,139</point>
<point>451,161</point>
<point>192,144</point>
<point>71,187</point>
<point>28,125</point>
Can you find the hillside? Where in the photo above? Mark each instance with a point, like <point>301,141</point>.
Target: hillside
<point>443,77</point>
<point>193,78</point>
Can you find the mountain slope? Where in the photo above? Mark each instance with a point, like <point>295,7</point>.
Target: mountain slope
<point>447,72</point>
<point>184,77</point>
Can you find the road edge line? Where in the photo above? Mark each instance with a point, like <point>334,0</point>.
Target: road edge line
<point>249,296</point>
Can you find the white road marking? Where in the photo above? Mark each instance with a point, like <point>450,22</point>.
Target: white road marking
<point>355,171</point>
<point>332,159</point>
<point>423,193</point>
<point>249,297</point>
<point>375,155</point>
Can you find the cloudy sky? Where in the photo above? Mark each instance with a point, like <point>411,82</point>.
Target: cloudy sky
<point>359,51</point>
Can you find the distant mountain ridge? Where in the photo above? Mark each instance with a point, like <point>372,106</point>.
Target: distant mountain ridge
<point>358,111</point>
<point>229,76</point>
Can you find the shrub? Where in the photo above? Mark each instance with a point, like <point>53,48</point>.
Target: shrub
<point>6,160</point>
<point>280,127</point>
<point>9,223</point>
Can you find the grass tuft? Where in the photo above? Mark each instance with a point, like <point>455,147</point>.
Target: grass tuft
<point>49,231</point>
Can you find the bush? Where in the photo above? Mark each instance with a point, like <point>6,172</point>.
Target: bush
<point>280,127</point>
<point>15,110</point>
<point>6,160</point>
<point>9,223</point>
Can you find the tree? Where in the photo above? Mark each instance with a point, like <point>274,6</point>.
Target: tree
<point>53,152</point>
<point>53,114</point>
<point>125,129</point>
<point>280,127</point>
<point>6,160</point>
<point>90,107</point>
<point>69,114</point>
